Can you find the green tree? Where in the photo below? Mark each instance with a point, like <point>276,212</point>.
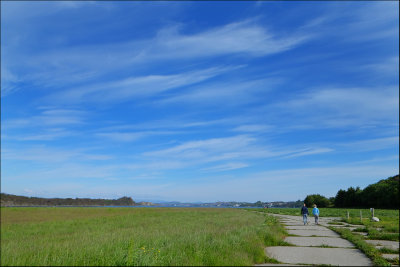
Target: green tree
<point>317,199</point>
<point>383,194</point>
<point>339,199</point>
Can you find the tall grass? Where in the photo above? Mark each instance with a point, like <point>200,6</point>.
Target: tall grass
<point>135,236</point>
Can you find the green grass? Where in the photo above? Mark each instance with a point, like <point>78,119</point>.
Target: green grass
<point>136,236</point>
<point>386,229</point>
<point>369,250</point>
<point>336,223</point>
<point>389,251</point>
<point>335,212</point>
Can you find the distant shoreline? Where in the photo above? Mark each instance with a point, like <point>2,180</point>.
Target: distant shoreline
<point>135,206</point>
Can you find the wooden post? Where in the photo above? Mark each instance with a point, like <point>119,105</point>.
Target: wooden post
<point>348,216</point>
<point>373,212</point>
<point>361,215</point>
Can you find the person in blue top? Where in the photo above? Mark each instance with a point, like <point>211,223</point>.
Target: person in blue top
<point>304,212</point>
<point>315,212</point>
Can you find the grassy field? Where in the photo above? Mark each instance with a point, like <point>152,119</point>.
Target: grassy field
<point>136,236</point>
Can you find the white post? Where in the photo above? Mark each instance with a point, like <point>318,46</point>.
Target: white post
<point>361,215</point>
<point>348,216</point>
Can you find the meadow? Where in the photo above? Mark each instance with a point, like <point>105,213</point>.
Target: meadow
<point>136,236</point>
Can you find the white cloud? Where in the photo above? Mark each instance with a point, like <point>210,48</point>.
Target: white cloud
<point>9,81</point>
<point>253,128</point>
<point>136,87</point>
<point>205,148</point>
<point>245,37</point>
<point>46,154</point>
<point>122,137</point>
<point>224,150</point>
<point>387,67</point>
<point>308,151</point>
<point>341,107</point>
<point>43,135</point>
<point>85,65</point>
<point>131,136</point>
<point>371,144</point>
<point>229,93</point>
<point>48,117</point>
<point>227,167</point>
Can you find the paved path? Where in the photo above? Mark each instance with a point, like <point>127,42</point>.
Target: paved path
<point>315,244</point>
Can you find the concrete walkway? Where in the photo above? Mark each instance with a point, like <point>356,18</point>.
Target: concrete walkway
<point>314,244</point>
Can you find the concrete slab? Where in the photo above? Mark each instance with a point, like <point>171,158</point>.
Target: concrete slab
<point>293,224</point>
<point>361,233</point>
<point>319,241</point>
<point>390,256</point>
<point>384,243</point>
<point>349,228</point>
<point>308,255</point>
<point>313,233</point>
<point>306,227</point>
<point>276,264</point>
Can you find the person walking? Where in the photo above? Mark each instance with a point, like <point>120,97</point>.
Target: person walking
<point>315,212</point>
<point>304,212</point>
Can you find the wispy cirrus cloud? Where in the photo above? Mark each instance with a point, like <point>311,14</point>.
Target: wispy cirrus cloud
<point>131,136</point>
<point>231,38</point>
<point>231,93</point>
<point>47,117</point>
<point>42,135</point>
<point>228,149</point>
<point>371,144</point>
<point>9,82</point>
<point>253,128</point>
<point>136,87</point>
<point>341,107</point>
<point>227,167</point>
<point>48,154</point>
<point>75,65</point>
<point>387,67</point>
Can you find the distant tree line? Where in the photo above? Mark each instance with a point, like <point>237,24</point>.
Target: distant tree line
<point>13,200</point>
<point>383,194</point>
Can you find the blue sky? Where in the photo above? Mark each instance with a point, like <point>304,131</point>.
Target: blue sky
<point>206,101</point>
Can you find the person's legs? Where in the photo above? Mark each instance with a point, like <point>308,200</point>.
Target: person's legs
<point>316,219</point>
<point>304,219</point>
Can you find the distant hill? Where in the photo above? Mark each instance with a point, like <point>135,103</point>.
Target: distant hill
<point>8,200</point>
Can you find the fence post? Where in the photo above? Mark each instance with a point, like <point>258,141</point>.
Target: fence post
<point>348,216</point>
<point>361,215</point>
